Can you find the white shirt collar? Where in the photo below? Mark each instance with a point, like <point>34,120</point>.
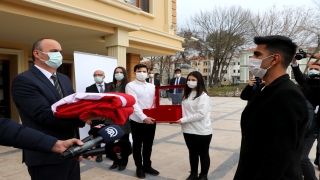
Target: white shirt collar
<point>139,82</point>
<point>45,72</point>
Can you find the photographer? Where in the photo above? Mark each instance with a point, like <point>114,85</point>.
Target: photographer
<point>309,85</point>
<point>249,90</point>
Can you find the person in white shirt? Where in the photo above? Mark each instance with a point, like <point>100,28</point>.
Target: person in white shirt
<point>196,125</point>
<point>142,127</point>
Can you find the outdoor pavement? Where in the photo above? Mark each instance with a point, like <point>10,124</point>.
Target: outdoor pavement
<point>170,154</point>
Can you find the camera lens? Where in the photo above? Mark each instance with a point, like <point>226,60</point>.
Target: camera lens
<point>298,56</point>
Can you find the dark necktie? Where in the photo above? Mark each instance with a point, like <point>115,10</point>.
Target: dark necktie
<point>56,84</point>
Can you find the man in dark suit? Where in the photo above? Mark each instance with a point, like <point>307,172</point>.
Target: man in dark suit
<point>34,91</point>
<point>175,95</point>
<point>18,136</point>
<point>98,87</point>
<point>273,122</point>
<point>152,79</point>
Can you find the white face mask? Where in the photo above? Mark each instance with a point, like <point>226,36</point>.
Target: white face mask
<point>178,75</point>
<point>192,84</point>
<point>151,75</point>
<point>141,76</point>
<point>254,67</point>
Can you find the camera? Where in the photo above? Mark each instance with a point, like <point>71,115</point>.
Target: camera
<point>258,81</point>
<point>301,54</point>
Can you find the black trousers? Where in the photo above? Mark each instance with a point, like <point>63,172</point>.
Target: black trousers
<point>306,166</point>
<point>124,160</point>
<point>198,146</point>
<point>142,134</point>
<point>69,170</point>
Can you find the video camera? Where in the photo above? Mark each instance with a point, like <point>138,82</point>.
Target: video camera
<point>301,54</point>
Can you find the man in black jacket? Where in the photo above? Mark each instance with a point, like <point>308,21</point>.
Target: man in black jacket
<point>311,92</point>
<point>98,87</point>
<point>18,136</point>
<point>273,122</point>
<point>153,80</point>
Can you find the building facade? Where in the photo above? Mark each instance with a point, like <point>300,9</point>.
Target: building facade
<point>125,29</point>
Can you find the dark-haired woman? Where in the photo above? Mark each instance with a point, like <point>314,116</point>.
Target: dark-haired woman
<point>196,125</point>
<point>120,80</point>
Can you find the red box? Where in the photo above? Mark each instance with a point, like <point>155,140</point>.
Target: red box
<point>164,113</point>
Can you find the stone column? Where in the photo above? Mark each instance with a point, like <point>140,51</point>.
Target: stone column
<point>117,44</point>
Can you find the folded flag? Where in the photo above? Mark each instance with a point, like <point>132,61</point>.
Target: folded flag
<point>115,106</point>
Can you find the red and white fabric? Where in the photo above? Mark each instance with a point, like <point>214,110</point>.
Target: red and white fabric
<point>116,106</point>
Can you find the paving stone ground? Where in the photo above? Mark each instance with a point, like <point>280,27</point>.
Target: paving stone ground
<point>170,154</point>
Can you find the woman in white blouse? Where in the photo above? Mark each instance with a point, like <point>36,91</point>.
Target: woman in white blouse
<point>196,125</point>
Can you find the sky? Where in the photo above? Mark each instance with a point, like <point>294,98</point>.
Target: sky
<point>186,8</point>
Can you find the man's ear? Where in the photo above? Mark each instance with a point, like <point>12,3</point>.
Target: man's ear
<point>36,53</point>
<point>276,59</point>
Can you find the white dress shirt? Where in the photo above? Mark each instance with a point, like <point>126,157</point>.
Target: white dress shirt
<point>98,86</point>
<point>196,114</point>
<point>46,73</point>
<point>144,94</point>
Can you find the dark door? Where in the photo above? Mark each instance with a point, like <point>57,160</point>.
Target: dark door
<point>4,89</point>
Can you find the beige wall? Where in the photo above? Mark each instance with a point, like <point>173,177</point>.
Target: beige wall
<point>109,10</point>
<point>18,7</point>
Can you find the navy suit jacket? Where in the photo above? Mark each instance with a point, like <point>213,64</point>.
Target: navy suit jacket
<point>33,94</point>
<point>182,81</point>
<point>93,88</point>
<point>14,134</point>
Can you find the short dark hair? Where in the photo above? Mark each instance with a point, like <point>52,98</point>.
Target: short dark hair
<point>278,45</point>
<point>138,66</point>
<point>200,85</point>
<point>37,46</point>
<point>176,70</point>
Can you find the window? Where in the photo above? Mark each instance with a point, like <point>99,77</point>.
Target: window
<point>234,71</point>
<point>238,71</point>
<point>238,63</point>
<point>142,4</point>
<point>205,70</point>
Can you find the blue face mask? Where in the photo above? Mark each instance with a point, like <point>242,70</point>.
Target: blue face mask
<point>313,72</point>
<point>119,76</point>
<point>55,59</point>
